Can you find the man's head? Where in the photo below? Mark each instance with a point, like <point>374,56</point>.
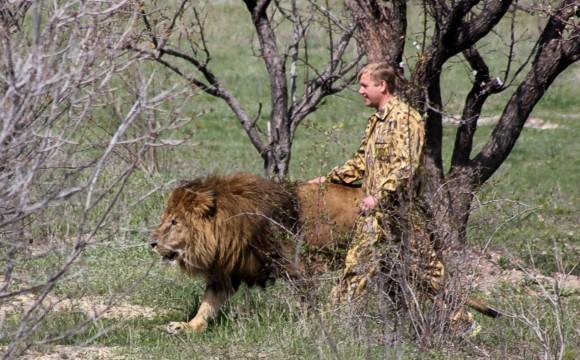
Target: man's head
<point>378,81</point>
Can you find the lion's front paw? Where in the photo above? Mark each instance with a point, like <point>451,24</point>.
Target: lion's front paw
<point>197,326</point>
<point>175,327</point>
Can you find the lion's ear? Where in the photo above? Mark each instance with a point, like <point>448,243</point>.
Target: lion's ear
<point>201,203</point>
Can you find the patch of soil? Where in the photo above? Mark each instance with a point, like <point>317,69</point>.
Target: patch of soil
<point>533,123</point>
<point>94,307</point>
<point>61,352</point>
<point>488,273</point>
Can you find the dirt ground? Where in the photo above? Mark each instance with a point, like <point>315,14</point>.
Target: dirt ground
<point>61,352</point>
<point>532,122</point>
<point>93,307</point>
<point>488,273</point>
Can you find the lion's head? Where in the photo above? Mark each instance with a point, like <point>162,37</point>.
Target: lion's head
<point>185,227</point>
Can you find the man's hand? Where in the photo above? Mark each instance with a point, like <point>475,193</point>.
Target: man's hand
<point>368,203</point>
<point>318,180</point>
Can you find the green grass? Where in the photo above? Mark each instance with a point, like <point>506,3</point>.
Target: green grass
<point>529,205</point>
<point>533,200</point>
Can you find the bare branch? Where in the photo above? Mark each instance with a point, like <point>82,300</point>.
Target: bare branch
<point>483,86</point>
<point>212,86</point>
<point>467,34</point>
<point>323,84</point>
<point>555,54</point>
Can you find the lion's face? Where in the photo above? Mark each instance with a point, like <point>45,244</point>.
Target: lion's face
<point>182,236</point>
<point>170,238</point>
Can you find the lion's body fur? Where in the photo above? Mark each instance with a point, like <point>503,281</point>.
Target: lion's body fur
<point>326,216</point>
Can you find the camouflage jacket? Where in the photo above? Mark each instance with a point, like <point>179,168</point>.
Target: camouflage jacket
<point>390,151</point>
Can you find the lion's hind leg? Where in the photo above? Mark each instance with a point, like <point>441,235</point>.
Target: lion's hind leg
<point>214,297</point>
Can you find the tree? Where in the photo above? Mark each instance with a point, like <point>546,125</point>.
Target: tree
<point>70,139</point>
<point>288,108</point>
<point>453,28</point>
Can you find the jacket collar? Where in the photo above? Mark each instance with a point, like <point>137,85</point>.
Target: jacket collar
<point>382,114</point>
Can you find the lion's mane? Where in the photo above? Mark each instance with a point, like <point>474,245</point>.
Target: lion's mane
<point>237,225</point>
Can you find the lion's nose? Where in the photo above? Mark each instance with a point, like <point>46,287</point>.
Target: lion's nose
<point>153,244</point>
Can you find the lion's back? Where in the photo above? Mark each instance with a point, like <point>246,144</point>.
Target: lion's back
<point>328,212</point>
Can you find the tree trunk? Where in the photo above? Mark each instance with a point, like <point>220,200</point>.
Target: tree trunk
<point>277,159</point>
<point>383,25</point>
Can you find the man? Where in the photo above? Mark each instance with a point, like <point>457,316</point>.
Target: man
<point>386,162</point>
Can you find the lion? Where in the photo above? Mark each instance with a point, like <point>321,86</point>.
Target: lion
<point>242,229</point>
<point>227,230</point>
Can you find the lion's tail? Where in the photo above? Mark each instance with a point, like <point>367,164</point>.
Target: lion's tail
<point>483,308</point>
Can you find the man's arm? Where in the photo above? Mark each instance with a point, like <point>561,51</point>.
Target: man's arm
<point>352,170</point>
<point>403,161</point>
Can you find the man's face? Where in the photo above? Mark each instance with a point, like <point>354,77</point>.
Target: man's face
<point>374,93</point>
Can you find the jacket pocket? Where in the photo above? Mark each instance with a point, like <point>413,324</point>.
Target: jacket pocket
<point>382,151</point>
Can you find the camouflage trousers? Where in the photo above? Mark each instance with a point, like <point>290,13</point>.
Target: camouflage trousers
<point>381,260</point>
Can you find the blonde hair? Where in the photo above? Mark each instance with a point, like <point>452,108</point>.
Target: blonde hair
<point>382,71</point>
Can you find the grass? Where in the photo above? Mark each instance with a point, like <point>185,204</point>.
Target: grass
<point>529,205</point>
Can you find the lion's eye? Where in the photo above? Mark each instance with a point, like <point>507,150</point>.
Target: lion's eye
<point>173,222</point>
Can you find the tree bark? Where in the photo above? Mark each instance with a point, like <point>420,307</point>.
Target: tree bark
<point>382,25</point>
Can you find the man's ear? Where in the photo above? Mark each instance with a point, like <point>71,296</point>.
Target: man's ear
<point>384,87</point>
